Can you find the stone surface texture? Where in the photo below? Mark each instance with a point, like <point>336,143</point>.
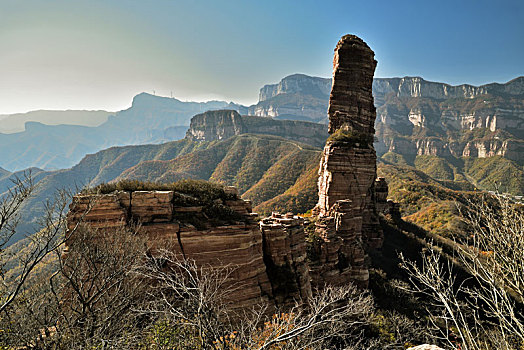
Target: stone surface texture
<point>347,213</point>
<point>351,100</point>
<point>237,246</point>
<point>285,256</point>
<point>222,124</point>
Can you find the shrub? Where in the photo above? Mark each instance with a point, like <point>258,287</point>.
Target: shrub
<point>200,189</point>
<point>350,138</point>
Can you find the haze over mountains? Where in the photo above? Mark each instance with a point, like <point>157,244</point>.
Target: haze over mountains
<point>244,160</point>
<point>11,123</point>
<point>150,119</point>
<point>403,104</point>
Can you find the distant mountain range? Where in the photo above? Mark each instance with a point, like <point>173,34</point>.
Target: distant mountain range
<point>11,123</point>
<point>432,134</point>
<point>150,119</point>
<point>453,133</point>
<point>277,171</point>
<point>414,117</point>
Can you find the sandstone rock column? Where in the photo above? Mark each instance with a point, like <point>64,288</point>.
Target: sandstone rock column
<point>348,169</point>
<point>351,101</point>
<point>348,165</point>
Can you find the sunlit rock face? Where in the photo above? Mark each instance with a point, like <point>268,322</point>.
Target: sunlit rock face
<point>223,124</point>
<point>266,261</point>
<point>235,246</point>
<point>347,216</point>
<point>351,100</point>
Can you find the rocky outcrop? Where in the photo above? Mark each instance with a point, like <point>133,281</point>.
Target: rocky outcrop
<point>347,217</point>
<point>236,245</point>
<point>215,125</point>
<point>351,104</point>
<point>381,195</point>
<point>416,109</point>
<point>296,97</point>
<point>427,118</point>
<point>418,87</point>
<point>285,257</point>
<point>267,260</point>
<point>511,149</point>
<point>219,125</point>
<point>292,107</point>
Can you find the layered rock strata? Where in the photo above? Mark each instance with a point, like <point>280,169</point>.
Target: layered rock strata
<point>351,100</point>
<point>381,195</point>
<point>348,221</point>
<point>222,124</point>
<point>267,260</point>
<point>236,246</point>
<point>285,257</point>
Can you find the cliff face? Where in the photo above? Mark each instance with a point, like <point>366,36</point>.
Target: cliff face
<point>223,124</point>
<point>348,222</point>
<point>267,264</point>
<point>406,106</point>
<point>296,96</point>
<point>215,125</point>
<point>285,257</point>
<point>418,87</point>
<point>296,83</point>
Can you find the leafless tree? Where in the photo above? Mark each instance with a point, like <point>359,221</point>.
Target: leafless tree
<point>188,295</point>
<point>333,318</point>
<point>484,311</point>
<point>89,300</point>
<point>95,289</point>
<point>49,236</point>
<point>192,297</point>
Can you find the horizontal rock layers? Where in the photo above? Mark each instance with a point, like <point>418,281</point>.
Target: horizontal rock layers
<point>347,217</point>
<point>236,246</point>
<point>267,260</point>
<point>222,124</point>
<point>351,99</point>
<point>285,257</point>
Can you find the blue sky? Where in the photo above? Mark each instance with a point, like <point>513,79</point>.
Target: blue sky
<point>91,54</point>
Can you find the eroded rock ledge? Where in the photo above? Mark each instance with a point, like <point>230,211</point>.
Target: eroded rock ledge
<point>268,260</point>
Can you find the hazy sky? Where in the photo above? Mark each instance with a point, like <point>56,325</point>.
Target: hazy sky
<point>94,54</point>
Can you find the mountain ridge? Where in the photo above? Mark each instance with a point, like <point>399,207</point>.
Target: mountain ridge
<point>157,119</point>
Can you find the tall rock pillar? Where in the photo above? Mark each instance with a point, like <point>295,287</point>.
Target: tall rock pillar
<point>347,216</point>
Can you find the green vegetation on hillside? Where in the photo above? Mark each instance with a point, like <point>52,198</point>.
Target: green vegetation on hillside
<point>394,158</point>
<point>436,167</point>
<point>427,202</point>
<point>496,173</point>
<point>262,168</point>
<point>300,197</point>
